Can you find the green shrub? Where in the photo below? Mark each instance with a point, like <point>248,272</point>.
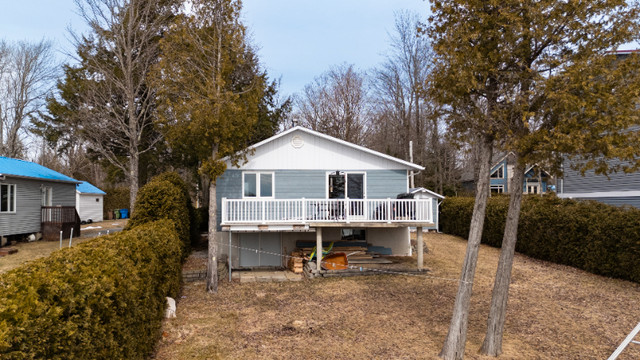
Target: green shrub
<point>194,219</point>
<point>161,199</point>
<point>103,299</point>
<point>589,235</point>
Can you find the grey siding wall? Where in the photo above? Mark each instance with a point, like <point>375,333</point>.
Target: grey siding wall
<point>590,182</point>
<point>382,184</point>
<point>26,219</point>
<point>63,194</point>
<point>296,184</point>
<point>618,201</point>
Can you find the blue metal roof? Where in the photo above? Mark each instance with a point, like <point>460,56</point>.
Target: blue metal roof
<point>21,168</point>
<point>86,188</point>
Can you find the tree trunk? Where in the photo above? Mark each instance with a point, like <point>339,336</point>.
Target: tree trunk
<point>454,344</point>
<point>134,161</point>
<point>212,263</point>
<point>492,344</point>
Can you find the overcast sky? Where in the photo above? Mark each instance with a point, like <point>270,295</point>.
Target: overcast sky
<point>297,39</point>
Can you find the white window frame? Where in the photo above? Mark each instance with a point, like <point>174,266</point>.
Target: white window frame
<point>47,196</point>
<point>364,182</point>
<point>258,194</point>
<point>15,196</point>
<point>496,170</point>
<point>500,188</point>
<point>536,185</point>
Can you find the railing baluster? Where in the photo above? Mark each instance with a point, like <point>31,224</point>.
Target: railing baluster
<point>303,210</point>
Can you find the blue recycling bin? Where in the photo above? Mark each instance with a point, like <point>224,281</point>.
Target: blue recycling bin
<point>124,213</point>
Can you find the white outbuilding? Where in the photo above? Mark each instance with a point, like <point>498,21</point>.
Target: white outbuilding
<point>89,202</point>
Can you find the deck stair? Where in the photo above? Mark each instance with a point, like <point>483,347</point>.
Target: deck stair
<point>59,218</point>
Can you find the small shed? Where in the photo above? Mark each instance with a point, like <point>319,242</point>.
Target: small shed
<point>89,202</point>
<point>422,193</point>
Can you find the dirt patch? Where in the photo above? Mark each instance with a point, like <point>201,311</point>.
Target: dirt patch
<point>93,229</point>
<point>555,312</point>
<point>28,251</point>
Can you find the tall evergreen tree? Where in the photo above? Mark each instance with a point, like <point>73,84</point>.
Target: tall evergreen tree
<point>535,78</point>
<point>212,95</point>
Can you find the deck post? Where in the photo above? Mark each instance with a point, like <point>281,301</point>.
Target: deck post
<point>229,255</point>
<point>318,248</point>
<point>304,211</point>
<point>420,248</point>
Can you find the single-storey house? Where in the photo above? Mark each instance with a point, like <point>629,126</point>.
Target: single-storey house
<point>30,195</point>
<point>302,185</point>
<point>618,188</point>
<point>89,202</point>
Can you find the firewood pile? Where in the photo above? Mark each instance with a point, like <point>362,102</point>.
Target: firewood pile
<point>358,252</point>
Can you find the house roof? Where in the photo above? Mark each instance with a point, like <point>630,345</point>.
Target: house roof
<point>86,188</point>
<point>338,141</point>
<point>421,189</point>
<point>27,169</point>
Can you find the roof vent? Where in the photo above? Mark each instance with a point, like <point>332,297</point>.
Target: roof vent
<point>297,142</point>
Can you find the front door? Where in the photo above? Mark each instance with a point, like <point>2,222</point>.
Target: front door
<point>348,185</point>
<point>260,249</point>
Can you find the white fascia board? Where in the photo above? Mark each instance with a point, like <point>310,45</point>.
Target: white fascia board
<point>600,194</point>
<point>331,138</point>
<point>421,189</point>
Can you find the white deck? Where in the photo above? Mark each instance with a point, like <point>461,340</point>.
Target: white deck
<point>326,212</point>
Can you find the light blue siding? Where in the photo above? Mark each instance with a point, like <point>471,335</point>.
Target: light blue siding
<point>228,185</point>
<point>311,184</point>
<point>297,184</point>
<point>382,184</point>
<point>504,181</point>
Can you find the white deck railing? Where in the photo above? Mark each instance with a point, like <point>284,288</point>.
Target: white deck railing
<point>304,211</point>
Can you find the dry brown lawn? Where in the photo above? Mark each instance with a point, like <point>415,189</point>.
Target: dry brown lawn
<point>555,312</point>
<point>28,251</point>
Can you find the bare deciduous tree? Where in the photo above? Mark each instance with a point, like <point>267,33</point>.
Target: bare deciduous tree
<point>27,71</point>
<point>117,116</point>
<point>403,111</point>
<point>336,103</point>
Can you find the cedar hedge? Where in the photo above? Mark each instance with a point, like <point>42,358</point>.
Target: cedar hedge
<point>164,198</point>
<point>588,235</point>
<point>103,299</point>
<point>194,217</point>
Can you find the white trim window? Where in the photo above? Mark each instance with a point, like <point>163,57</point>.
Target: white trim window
<point>7,198</point>
<point>346,184</point>
<point>498,173</point>
<point>497,189</point>
<point>258,185</point>
<point>47,196</point>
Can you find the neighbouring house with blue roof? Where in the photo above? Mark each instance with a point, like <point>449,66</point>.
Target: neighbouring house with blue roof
<point>89,202</point>
<point>32,197</point>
